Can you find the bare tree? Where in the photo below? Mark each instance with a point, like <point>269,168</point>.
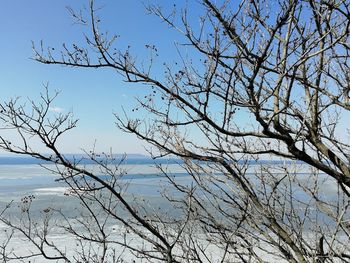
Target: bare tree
<point>283,67</point>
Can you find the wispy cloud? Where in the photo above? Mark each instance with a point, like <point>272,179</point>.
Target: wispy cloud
<point>56,109</point>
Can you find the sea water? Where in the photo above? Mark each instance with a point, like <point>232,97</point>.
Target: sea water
<point>23,177</point>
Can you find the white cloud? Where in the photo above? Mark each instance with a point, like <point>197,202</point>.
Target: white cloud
<point>56,109</point>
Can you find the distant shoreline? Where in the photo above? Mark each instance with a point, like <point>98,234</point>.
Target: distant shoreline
<point>126,159</point>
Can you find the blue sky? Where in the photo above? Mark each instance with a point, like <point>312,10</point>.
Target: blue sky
<point>92,95</point>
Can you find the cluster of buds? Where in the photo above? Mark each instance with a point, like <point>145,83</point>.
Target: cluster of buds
<point>27,199</point>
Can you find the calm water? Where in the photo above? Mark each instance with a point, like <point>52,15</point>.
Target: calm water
<point>21,177</point>
<point>27,176</point>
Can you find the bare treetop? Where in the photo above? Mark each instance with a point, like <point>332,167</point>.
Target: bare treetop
<point>264,80</point>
